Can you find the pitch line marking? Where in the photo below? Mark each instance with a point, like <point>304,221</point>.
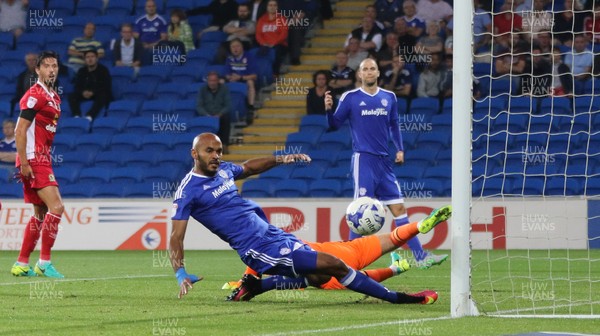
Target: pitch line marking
<point>88,279</point>
<point>360,326</point>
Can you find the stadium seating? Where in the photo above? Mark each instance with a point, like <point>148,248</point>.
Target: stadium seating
<point>325,188</point>
<point>107,191</point>
<point>334,141</point>
<point>77,190</point>
<point>94,175</point>
<point>141,158</point>
<point>11,190</point>
<point>6,41</point>
<point>155,109</point>
<point>89,8</point>
<point>313,123</point>
<point>123,109</point>
<point>108,125</point>
<point>256,188</point>
<point>556,105</point>
<point>138,190</point>
<point>126,175</point>
<point>301,142</point>
<point>162,173</point>
<point>185,108</point>
<point>291,188</point>
<point>74,126</point>
<point>111,158</point>
<point>338,172</point>
<point>125,142</point>
<point>156,142</point>
<point>118,9</point>
<point>426,106</point>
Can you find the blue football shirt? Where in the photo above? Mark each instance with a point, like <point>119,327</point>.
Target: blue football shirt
<point>372,117</point>
<point>216,204</point>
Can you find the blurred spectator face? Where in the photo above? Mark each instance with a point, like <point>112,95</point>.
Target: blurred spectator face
<point>367,24</point>
<point>89,30</point>
<point>409,8</point>
<point>30,61</point>
<point>353,44</point>
<point>556,56</point>
<point>212,81</point>
<point>272,7</point>
<point>126,33</point>
<point>398,61</point>
<point>400,26</point>
<point>544,39</point>
<point>391,40</point>
<point>507,6</point>
<point>449,61</point>
<point>341,59</point>
<point>175,19</point>
<point>91,59</point>
<point>321,81</point>
<point>435,62</point>
<point>8,129</point>
<point>536,56</point>
<point>538,5</point>
<point>150,8</point>
<point>580,43</point>
<point>433,28</point>
<point>243,12</point>
<point>371,12</point>
<point>236,48</point>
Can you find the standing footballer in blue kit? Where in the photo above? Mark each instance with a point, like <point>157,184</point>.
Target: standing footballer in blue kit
<point>373,117</point>
<point>209,195</point>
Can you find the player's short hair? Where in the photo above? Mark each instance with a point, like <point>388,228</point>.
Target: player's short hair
<point>46,54</point>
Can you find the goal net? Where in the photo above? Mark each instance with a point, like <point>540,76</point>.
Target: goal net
<point>535,159</point>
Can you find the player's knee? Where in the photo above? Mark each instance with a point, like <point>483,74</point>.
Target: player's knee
<point>57,208</point>
<point>334,266</point>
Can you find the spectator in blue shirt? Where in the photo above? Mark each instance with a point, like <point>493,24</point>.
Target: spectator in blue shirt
<point>241,67</point>
<point>8,146</point>
<point>150,28</point>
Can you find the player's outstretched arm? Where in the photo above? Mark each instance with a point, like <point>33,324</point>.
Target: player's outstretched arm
<point>259,165</point>
<point>184,279</point>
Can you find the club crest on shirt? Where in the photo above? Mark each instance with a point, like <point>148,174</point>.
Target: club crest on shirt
<point>31,101</point>
<point>223,174</point>
<point>384,102</point>
<point>362,191</point>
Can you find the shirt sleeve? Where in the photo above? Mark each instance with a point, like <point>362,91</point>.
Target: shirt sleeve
<point>341,114</point>
<point>182,208</point>
<point>395,125</point>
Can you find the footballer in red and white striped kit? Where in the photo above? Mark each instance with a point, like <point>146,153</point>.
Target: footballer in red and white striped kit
<point>35,130</point>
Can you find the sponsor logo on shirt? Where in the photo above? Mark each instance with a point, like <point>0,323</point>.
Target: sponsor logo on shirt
<point>51,128</point>
<point>226,186</point>
<point>362,103</point>
<point>374,112</point>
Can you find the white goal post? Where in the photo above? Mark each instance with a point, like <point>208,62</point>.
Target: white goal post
<point>545,260</point>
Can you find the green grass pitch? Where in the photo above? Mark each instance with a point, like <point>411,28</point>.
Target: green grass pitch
<point>134,293</point>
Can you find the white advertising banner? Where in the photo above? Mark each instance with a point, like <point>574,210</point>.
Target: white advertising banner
<point>145,224</point>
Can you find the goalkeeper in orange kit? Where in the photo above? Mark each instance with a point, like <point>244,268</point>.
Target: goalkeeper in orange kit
<point>361,252</point>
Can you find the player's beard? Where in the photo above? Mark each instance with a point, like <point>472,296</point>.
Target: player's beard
<point>371,84</point>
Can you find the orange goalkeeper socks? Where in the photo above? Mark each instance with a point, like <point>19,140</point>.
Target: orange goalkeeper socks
<point>403,233</point>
